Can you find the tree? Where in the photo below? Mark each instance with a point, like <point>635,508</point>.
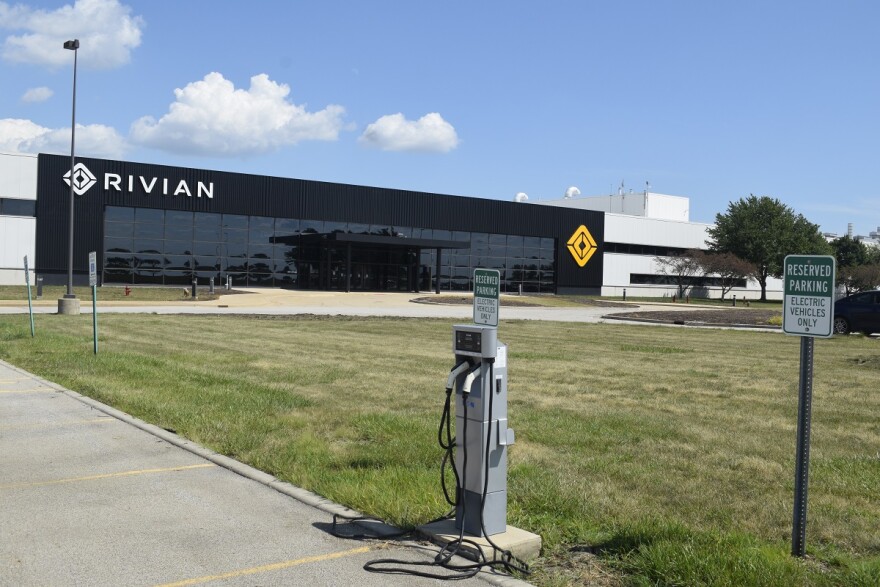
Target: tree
<point>763,231</point>
<point>729,268</point>
<point>849,252</point>
<point>864,277</point>
<point>682,268</point>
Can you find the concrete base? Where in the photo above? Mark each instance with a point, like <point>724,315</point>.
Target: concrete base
<point>68,306</point>
<point>524,545</point>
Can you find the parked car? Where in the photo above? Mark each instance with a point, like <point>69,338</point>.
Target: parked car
<point>858,312</point>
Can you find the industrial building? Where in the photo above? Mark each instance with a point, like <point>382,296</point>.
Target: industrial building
<point>155,224</point>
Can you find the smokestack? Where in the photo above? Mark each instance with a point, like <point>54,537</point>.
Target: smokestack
<point>849,230</point>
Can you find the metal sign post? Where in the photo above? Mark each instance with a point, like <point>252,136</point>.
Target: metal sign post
<point>93,281</point>
<point>487,284</point>
<point>27,282</point>
<point>808,311</point>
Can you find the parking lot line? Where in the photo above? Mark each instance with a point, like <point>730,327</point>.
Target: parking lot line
<point>103,476</point>
<point>269,567</point>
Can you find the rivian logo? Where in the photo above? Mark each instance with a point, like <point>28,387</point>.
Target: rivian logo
<point>581,245</point>
<point>83,179</point>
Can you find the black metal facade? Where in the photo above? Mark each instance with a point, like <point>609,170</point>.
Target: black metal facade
<point>235,193</point>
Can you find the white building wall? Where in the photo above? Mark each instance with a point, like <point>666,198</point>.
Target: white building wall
<point>618,267</point>
<point>18,180</point>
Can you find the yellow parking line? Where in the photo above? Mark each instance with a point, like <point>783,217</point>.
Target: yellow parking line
<point>104,476</point>
<point>267,568</point>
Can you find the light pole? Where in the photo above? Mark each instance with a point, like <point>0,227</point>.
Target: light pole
<point>69,304</point>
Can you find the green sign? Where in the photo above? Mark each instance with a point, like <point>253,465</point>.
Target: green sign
<point>808,305</point>
<point>487,285</point>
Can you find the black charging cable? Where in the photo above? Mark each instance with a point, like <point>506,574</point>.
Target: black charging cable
<point>443,558</point>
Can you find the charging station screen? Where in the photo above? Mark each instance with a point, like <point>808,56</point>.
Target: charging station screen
<point>468,341</point>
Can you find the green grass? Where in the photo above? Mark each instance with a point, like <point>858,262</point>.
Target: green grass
<point>644,455</point>
<point>105,293</point>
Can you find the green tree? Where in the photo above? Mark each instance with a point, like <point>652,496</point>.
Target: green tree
<point>763,231</point>
<point>849,252</point>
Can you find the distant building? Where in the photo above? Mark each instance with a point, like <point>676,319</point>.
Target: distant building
<point>162,225</point>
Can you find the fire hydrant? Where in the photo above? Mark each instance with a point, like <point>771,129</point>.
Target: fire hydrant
<point>127,291</point>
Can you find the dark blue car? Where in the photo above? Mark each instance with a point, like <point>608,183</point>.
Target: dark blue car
<point>858,312</point>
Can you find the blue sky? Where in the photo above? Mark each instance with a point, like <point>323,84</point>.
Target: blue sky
<point>710,100</point>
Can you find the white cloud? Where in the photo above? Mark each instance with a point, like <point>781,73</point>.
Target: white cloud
<point>395,133</point>
<point>40,94</point>
<point>105,28</point>
<point>94,140</point>
<point>211,117</point>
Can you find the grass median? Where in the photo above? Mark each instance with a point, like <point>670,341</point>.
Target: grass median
<point>644,455</point>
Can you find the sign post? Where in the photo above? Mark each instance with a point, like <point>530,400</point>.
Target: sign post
<point>808,312</point>
<point>27,283</point>
<point>487,285</point>
<point>93,281</point>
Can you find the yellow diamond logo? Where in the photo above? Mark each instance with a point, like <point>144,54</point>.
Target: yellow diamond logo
<point>581,245</point>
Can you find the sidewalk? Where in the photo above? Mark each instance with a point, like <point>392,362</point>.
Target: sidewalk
<point>91,496</point>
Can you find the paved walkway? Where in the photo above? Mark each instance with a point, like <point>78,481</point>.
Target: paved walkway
<point>91,496</point>
<point>289,302</point>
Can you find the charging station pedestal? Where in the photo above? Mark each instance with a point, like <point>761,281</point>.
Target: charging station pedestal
<point>485,359</point>
<point>481,430</point>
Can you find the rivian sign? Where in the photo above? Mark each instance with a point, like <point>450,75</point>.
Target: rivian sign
<point>581,245</point>
<point>83,180</point>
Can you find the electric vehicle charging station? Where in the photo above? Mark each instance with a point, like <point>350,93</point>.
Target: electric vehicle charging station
<point>482,435</point>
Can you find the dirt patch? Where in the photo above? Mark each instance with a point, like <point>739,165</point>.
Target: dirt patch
<point>454,300</point>
<point>515,301</point>
<point>725,317</point>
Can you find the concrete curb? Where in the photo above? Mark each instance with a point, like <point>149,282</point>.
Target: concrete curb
<point>239,468</point>
<point>690,323</point>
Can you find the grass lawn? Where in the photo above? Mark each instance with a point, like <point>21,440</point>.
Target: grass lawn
<point>107,293</point>
<point>644,455</point>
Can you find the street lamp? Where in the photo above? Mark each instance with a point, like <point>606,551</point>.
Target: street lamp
<point>69,304</point>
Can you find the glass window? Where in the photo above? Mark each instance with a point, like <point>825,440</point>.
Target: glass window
<point>205,248</point>
<point>211,234</point>
<point>118,229</point>
<point>206,263</point>
<point>235,221</point>
<point>118,245</point>
<point>260,251</point>
<point>114,261</point>
<point>179,219</point>
<point>151,276</point>
<point>260,266</point>
<point>286,226</point>
<point>154,246</point>
<point>548,244</point>
<point>358,228</point>
<point>235,249</point>
<point>118,214</point>
<point>233,265</point>
<point>116,275</point>
<point>261,229</point>
<point>444,235</point>
<point>149,215</point>
<point>149,231</point>
<point>285,252</point>
<point>148,261</point>
<point>234,236</point>
<point>16,207</point>
<point>331,227</point>
<point>174,277</point>
<point>178,247</point>
<point>311,226</point>
<point>178,262</point>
